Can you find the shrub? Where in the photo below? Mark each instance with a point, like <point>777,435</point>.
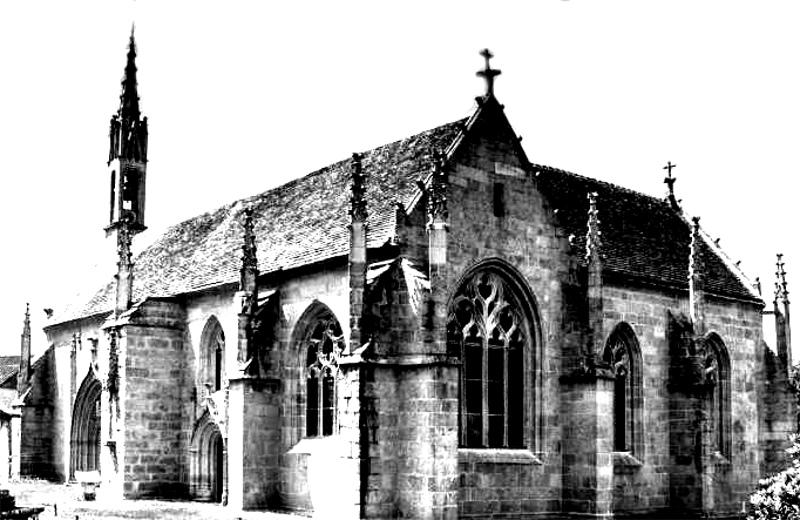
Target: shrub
<point>778,496</point>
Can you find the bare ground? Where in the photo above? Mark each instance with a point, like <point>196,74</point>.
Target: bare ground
<point>65,501</point>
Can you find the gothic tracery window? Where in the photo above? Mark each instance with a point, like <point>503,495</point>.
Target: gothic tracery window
<point>487,330</point>
<point>323,349</point>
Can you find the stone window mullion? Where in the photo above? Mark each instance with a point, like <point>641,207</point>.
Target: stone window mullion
<point>462,396</point>
<point>322,368</point>
<point>505,392</point>
<point>320,403</point>
<point>485,326</point>
<point>485,384</point>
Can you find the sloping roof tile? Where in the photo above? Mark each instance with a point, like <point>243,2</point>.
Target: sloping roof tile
<point>298,223</point>
<point>306,221</point>
<point>642,236</point>
<point>9,365</point>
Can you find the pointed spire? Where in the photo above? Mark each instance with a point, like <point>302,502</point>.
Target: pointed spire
<point>248,298</point>
<point>437,195</point>
<point>25,353</point>
<point>594,284</point>
<point>358,199</point>
<point>249,270</point>
<point>128,132</point>
<point>26,324</point>
<point>593,234</point>
<point>696,272</point>
<point>781,290</point>
<point>357,268</point>
<point>129,99</point>
<point>488,73</point>
<point>124,274</point>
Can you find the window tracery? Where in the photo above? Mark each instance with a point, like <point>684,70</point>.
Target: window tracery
<point>324,347</point>
<point>488,332</point>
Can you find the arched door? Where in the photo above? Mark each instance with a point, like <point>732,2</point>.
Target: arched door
<point>85,438</point>
<point>207,471</point>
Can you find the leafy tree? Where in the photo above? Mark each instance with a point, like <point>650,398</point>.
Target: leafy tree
<point>778,496</point>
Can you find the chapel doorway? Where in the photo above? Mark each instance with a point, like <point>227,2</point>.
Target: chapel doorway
<point>217,472</point>
<point>207,461</point>
<point>85,433</point>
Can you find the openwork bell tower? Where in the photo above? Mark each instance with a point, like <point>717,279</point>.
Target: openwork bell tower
<point>127,165</point>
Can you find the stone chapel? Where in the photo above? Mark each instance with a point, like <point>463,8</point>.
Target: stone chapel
<point>438,328</point>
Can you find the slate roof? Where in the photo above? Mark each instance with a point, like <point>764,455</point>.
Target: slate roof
<point>9,365</point>
<point>642,236</point>
<point>299,223</point>
<point>306,221</point>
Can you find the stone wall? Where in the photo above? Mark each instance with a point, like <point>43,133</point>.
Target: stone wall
<point>253,444</point>
<point>38,428</point>
<point>778,410</point>
<point>668,475</point>
<point>411,465</point>
<point>527,238</point>
<point>300,297</point>
<point>154,393</point>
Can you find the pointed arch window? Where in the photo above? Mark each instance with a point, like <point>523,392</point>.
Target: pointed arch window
<point>717,375</point>
<point>622,353</point>
<point>491,334</point>
<point>323,349</point>
<point>212,361</point>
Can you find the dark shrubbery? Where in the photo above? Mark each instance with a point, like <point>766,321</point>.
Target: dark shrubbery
<point>778,496</point>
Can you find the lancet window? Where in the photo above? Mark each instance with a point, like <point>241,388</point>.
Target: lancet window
<point>212,362</point>
<point>717,375</point>
<point>323,349</point>
<point>621,352</point>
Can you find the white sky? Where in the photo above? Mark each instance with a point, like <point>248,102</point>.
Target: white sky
<point>243,96</point>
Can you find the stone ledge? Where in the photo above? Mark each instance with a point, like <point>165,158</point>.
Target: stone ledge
<point>498,456</point>
<point>625,462</point>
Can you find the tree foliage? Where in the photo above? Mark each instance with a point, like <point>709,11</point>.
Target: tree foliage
<point>778,496</point>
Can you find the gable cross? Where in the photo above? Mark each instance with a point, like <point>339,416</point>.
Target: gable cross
<point>488,73</point>
<point>670,180</point>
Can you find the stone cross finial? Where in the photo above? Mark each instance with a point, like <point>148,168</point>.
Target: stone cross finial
<point>488,73</point>
<point>669,180</point>
<point>593,234</point>
<point>358,200</point>
<point>781,291</point>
